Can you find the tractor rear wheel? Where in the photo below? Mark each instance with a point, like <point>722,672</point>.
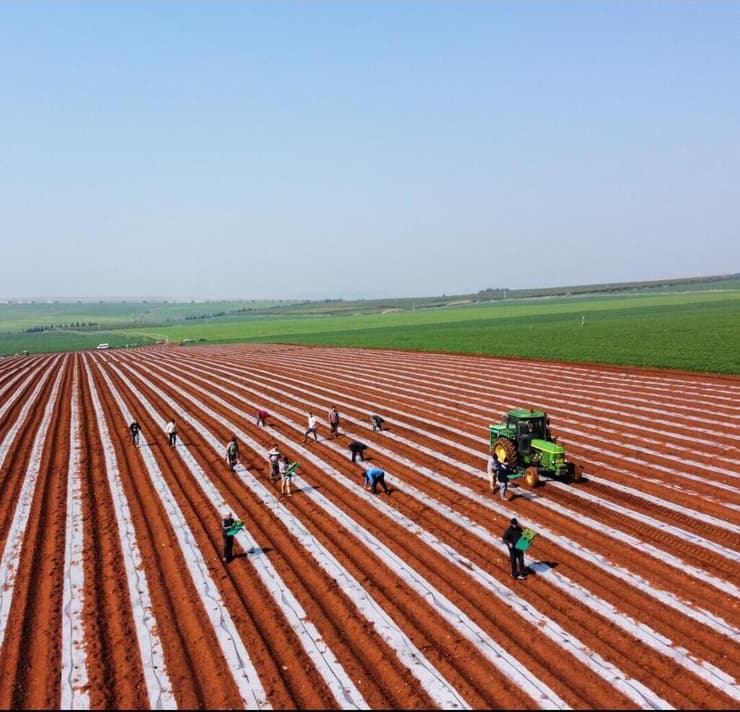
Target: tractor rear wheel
<point>505,451</point>
<point>532,476</point>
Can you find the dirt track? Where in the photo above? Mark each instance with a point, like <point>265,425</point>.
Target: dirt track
<point>114,594</point>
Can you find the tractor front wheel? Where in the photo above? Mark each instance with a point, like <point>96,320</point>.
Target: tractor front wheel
<point>505,451</point>
<point>532,476</point>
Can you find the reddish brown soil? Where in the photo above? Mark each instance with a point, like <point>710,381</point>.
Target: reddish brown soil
<point>656,519</point>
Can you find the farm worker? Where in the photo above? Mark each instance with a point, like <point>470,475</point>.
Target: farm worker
<point>273,458</point>
<point>511,536</point>
<point>228,522</point>
<point>357,448</point>
<point>262,416</point>
<point>502,474</point>
<point>313,424</point>
<point>492,469</point>
<point>377,422</point>
<point>287,470</point>
<point>171,430</point>
<point>334,422</point>
<point>134,427</point>
<point>374,477</point>
<point>232,453</point>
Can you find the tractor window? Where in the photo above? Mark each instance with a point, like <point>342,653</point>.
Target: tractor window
<point>530,428</point>
<point>538,428</point>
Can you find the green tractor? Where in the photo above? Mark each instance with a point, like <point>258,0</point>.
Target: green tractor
<point>524,443</point>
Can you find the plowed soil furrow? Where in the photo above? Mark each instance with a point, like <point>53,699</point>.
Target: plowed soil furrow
<point>629,526</point>
<point>445,416</point>
<point>116,674</point>
<point>32,637</point>
<point>668,502</point>
<point>15,455</point>
<point>337,542</point>
<point>193,659</point>
<point>632,597</point>
<point>622,422</point>
<point>243,592</point>
<point>420,455</point>
<point>549,393</point>
<point>697,481</point>
<point>14,374</point>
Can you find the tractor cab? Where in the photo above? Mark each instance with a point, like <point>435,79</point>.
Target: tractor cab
<point>526,425</point>
<point>529,429</point>
<point>521,426</point>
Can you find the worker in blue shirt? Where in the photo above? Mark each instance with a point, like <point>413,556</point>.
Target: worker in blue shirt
<point>374,477</point>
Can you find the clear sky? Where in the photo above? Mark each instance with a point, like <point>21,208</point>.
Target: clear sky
<point>340,149</point>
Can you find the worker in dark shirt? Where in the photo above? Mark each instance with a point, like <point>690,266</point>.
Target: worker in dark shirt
<point>377,422</point>
<point>134,428</point>
<point>511,536</point>
<point>357,448</point>
<point>502,476</point>
<point>228,522</point>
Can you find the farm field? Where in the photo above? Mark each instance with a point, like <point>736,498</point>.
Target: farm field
<point>114,595</point>
<point>691,331</point>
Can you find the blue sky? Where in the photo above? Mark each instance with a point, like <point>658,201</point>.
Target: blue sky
<point>340,149</point>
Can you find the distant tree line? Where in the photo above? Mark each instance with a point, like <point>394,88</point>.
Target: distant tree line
<point>257,308</point>
<point>493,293</point>
<point>208,315</point>
<point>71,325</point>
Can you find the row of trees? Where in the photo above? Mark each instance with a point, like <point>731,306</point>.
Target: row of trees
<point>72,325</point>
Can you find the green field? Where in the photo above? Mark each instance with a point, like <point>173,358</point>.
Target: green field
<point>689,329</point>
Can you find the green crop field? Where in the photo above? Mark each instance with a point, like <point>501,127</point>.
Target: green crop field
<point>699,338</point>
<point>686,329</point>
<point>687,332</point>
